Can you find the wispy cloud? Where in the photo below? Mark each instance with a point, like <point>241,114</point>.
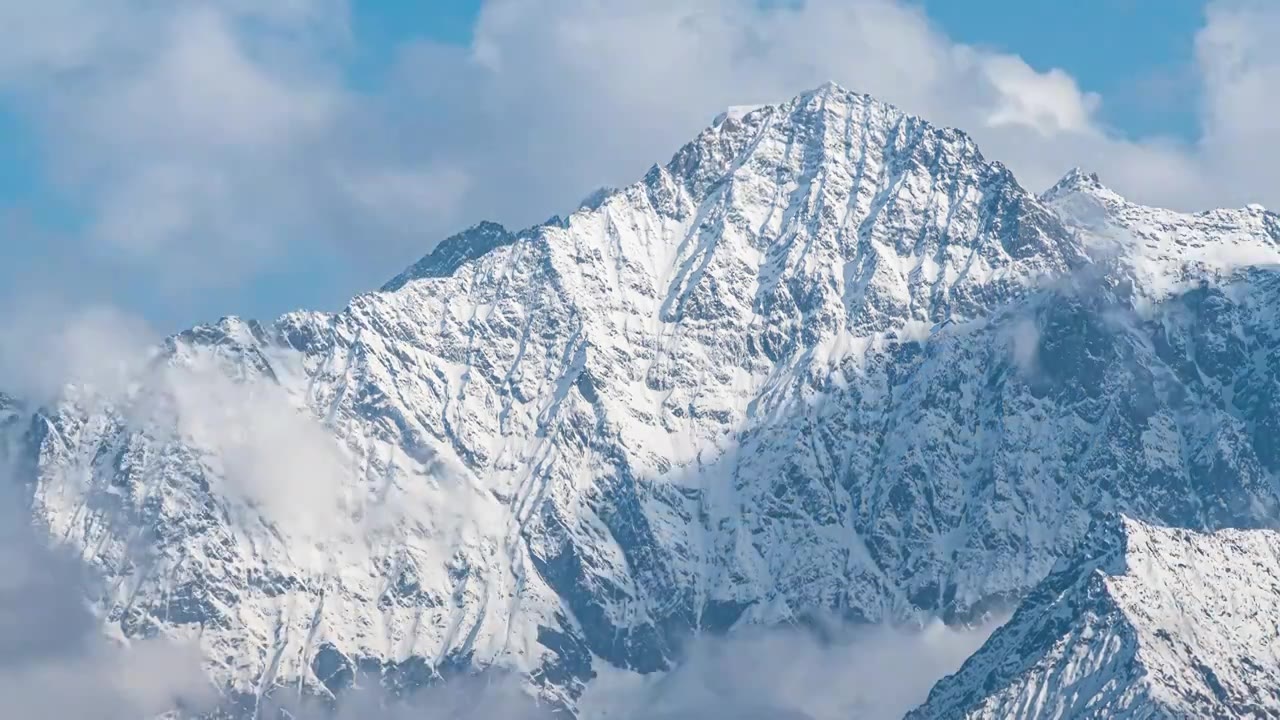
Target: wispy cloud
<point>202,143</point>
<point>840,671</point>
<point>53,343</point>
<point>1023,336</point>
<point>462,698</point>
<point>833,673</point>
<point>55,659</point>
<point>270,455</point>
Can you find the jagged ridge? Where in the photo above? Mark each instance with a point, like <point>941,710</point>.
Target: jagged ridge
<point>1149,622</point>
<point>827,358</point>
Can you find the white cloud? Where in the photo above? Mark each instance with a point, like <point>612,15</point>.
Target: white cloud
<point>267,455</point>
<point>1024,339</point>
<point>1240,61</point>
<point>485,697</point>
<point>201,143</point>
<point>204,141</point>
<point>554,98</point>
<point>50,344</point>
<point>54,660</point>
<point>841,671</point>
<point>106,680</point>
<point>202,90</point>
<point>210,141</point>
<point>1048,103</point>
<point>1228,165</point>
<point>833,673</point>
<point>397,198</point>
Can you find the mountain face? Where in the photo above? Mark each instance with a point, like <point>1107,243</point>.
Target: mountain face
<point>828,359</point>
<point>1150,622</point>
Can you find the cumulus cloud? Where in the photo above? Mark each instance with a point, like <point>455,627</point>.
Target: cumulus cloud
<point>554,98</point>
<point>209,141</point>
<point>1049,103</point>
<point>201,142</point>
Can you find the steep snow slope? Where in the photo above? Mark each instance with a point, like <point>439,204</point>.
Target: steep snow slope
<point>828,358</point>
<point>1151,623</point>
<point>1165,253</point>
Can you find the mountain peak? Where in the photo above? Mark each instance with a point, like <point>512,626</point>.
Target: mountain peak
<point>596,198</point>
<point>828,88</point>
<point>831,165</point>
<point>1165,619</point>
<point>833,92</point>
<point>828,359</point>
<point>735,113</point>
<point>455,251</point>
<point>1077,176</point>
<point>825,126</point>
<point>1076,180</point>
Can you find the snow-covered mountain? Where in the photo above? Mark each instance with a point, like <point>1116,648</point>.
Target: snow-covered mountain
<point>829,358</point>
<point>1148,622</point>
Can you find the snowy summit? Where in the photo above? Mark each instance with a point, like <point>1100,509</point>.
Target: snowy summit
<point>828,358</point>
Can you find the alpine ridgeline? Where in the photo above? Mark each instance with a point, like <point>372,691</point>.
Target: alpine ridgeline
<point>828,359</point>
<point>1149,622</point>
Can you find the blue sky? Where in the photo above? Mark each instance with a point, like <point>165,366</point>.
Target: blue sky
<point>1136,58</point>
<point>214,158</point>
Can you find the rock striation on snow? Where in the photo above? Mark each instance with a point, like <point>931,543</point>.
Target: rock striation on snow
<point>828,358</point>
<point>1148,622</point>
